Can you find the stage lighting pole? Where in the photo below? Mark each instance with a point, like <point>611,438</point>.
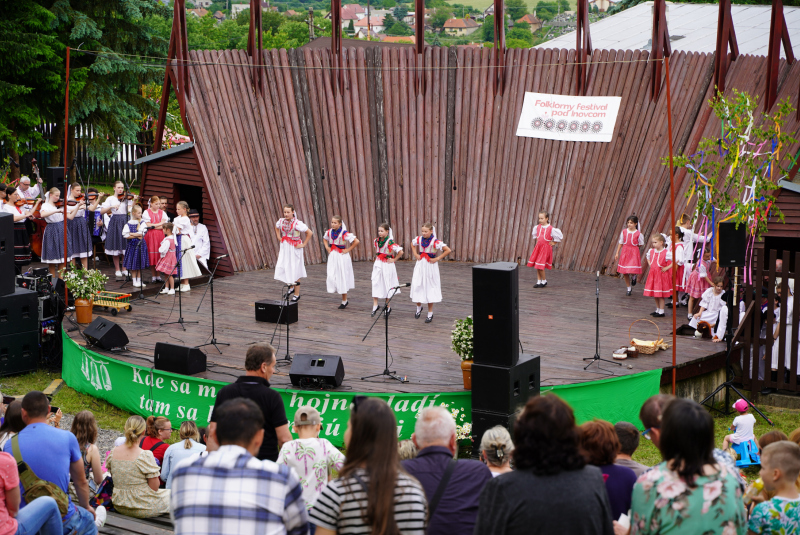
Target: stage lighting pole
<point>672,230</point>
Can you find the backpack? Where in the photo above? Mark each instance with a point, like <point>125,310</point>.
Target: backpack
<point>35,487</point>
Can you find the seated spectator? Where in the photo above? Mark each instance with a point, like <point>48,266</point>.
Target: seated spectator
<point>372,493</point>
<point>12,423</point>
<point>628,437</point>
<point>136,476</point>
<point>689,492</point>
<point>406,449</point>
<point>40,516</point>
<point>230,491</point>
<point>437,445</point>
<point>551,490</point>
<point>756,493</point>
<point>84,427</point>
<point>179,451</point>
<point>209,441</point>
<point>496,449</point>
<point>54,456</point>
<point>780,467</point>
<point>599,445</point>
<point>313,458</point>
<point>158,432</point>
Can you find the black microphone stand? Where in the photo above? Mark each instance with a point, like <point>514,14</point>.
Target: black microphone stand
<point>596,356</point>
<point>180,320</point>
<point>385,372</point>
<point>210,284</point>
<point>284,303</point>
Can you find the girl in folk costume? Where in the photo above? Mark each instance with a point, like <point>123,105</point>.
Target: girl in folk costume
<point>659,280</point>
<point>338,242</point>
<point>713,308</point>
<point>136,257</point>
<point>425,284</point>
<point>187,262</point>
<point>118,206</point>
<point>784,338</point>
<point>168,262</point>
<point>630,239</point>
<point>80,239</point>
<point>384,274</point>
<point>53,239</point>
<point>22,241</point>
<point>94,219</point>
<point>155,218</point>
<point>542,255</point>
<point>681,275</point>
<point>700,279</point>
<point>291,266</point>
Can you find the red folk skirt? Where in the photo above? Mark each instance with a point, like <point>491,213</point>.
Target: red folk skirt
<point>542,255</point>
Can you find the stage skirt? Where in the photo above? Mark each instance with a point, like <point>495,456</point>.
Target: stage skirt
<point>189,267</point>
<point>384,278</point>
<point>630,261</point>
<point>679,284</point>
<point>79,239</point>
<point>115,243</point>
<point>153,239</point>
<point>340,273</point>
<point>168,265</point>
<point>542,256</point>
<point>22,244</point>
<point>659,283</point>
<point>136,256</point>
<point>696,285</point>
<point>291,265</point>
<point>426,287</point>
<point>53,243</point>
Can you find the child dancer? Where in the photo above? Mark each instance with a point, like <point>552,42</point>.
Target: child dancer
<point>188,268</point>
<point>699,280</point>
<point>290,267</point>
<point>384,274</point>
<point>168,263</point>
<point>425,284</point>
<point>712,309</point>
<point>340,267</point>
<point>659,280</point>
<point>80,239</point>
<point>630,239</point>
<point>53,239</point>
<point>94,218</point>
<point>118,210</point>
<point>542,255</point>
<point>136,257</point>
<point>155,218</point>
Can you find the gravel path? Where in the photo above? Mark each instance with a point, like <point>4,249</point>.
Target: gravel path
<point>105,438</point>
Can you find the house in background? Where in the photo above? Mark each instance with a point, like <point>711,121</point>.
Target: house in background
<point>362,34</point>
<point>534,22</point>
<point>202,3</point>
<point>602,5</point>
<point>375,24</point>
<point>291,13</point>
<point>403,39</point>
<point>199,13</point>
<point>461,26</point>
<point>220,16</point>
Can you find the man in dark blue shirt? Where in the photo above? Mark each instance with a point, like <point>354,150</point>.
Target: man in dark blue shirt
<point>457,509</point>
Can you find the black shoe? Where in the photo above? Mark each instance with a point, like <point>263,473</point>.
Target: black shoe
<point>538,285</point>
<point>429,319</point>
<point>633,280</point>
<point>544,284</point>
<point>654,314</point>
<point>628,293</point>
<point>343,305</point>
<point>374,312</point>
<point>388,311</point>
<point>669,305</point>
<point>295,298</point>
<point>417,314</point>
<point>659,315</point>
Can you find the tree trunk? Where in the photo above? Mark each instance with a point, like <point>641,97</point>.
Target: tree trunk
<point>14,171</point>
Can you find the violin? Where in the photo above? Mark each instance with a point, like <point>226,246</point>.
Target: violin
<point>92,196</point>
<point>23,202</point>
<point>79,196</point>
<point>124,197</point>
<point>60,204</point>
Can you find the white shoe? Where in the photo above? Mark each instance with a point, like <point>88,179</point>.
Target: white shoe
<point>137,284</point>
<point>100,516</point>
<point>185,288</point>
<point>154,280</point>
<point>171,292</point>
<point>96,258</point>
<point>118,274</point>
<point>143,285</point>
<point>125,272</point>
<point>165,290</point>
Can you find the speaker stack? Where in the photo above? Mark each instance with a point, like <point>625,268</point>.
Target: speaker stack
<point>502,379</point>
<point>55,179</point>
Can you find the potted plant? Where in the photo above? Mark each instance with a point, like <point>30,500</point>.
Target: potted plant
<point>462,343</point>
<point>83,284</point>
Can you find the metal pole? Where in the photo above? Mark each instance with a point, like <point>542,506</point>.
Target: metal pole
<point>672,230</point>
<point>66,177</point>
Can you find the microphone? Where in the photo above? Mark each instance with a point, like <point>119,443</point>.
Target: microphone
<point>192,247</point>
<point>406,285</point>
<point>221,257</point>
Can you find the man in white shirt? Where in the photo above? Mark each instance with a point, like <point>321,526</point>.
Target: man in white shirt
<point>200,239</point>
<point>25,189</point>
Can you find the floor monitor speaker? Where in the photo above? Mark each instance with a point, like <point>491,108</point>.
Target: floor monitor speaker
<point>106,334</point>
<point>269,311</point>
<point>19,311</point>
<point>19,352</point>
<point>505,389</point>
<point>495,313</point>
<point>179,359</point>
<point>732,245</point>
<point>7,271</point>
<point>320,371</point>
<point>54,177</point>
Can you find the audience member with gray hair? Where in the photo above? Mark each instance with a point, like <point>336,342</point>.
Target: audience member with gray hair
<point>452,488</point>
<point>496,448</point>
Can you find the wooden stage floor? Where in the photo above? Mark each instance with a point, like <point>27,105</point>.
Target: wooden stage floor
<point>557,322</point>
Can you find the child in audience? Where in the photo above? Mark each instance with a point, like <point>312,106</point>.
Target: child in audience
<point>780,466</point>
<point>84,427</point>
<point>756,493</point>
<point>742,426</point>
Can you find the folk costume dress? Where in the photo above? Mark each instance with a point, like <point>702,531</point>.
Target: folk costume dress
<point>53,239</point>
<point>154,236</point>
<point>291,265</point>
<point>630,260</point>
<point>340,266</point>
<point>659,283</point>
<point>542,255</point>
<point>136,256</point>
<point>168,263</point>
<point>384,274</point>
<point>79,238</point>
<point>22,241</point>
<point>697,283</point>
<point>715,309</point>
<point>785,337</point>
<point>426,286</point>
<point>115,243</point>
<point>183,240</point>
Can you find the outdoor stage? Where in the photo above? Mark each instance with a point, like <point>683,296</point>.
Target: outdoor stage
<point>557,322</point>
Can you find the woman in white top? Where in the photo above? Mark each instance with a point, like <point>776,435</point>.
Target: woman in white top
<point>188,268</point>
<point>117,206</point>
<point>290,267</point>
<point>53,239</point>
<point>80,239</point>
<point>179,451</point>
<point>22,241</point>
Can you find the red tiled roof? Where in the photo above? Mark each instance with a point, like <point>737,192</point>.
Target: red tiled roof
<point>373,21</point>
<point>356,7</point>
<point>398,39</point>
<point>291,13</point>
<point>200,12</point>
<point>530,19</point>
<point>460,23</point>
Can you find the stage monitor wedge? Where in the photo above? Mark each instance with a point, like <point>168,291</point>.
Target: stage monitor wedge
<point>319,371</point>
<point>270,311</point>
<point>495,313</point>
<point>106,334</point>
<point>179,359</point>
<point>7,271</point>
<point>732,244</point>
<point>505,389</point>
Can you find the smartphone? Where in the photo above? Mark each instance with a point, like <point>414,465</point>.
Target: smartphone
<point>53,409</point>
<point>8,400</point>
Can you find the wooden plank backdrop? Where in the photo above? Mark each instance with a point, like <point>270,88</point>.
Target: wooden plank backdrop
<point>381,148</point>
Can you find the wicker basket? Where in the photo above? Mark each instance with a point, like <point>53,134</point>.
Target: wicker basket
<point>644,350</point>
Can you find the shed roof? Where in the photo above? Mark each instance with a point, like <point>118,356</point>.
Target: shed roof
<point>165,153</point>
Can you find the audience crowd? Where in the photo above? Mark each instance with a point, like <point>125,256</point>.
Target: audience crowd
<point>246,474</point>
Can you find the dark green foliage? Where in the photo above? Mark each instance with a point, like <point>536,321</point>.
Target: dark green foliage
<point>520,34</point>
<point>398,28</point>
<point>516,9</point>
<point>547,10</point>
<point>488,29</point>
<point>400,13</point>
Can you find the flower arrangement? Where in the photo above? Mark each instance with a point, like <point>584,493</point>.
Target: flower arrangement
<point>463,428</point>
<point>461,338</point>
<point>83,283</point>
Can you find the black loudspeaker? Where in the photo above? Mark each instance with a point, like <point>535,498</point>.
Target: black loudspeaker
<point>269,310</point>
<point>106,334</point>
<point>7,271</point>
<point>179,359</point>
<point>19,312</point>
<point>732,245</point>
<point>495,313</point>
<point>55,179</point>
<point>19,352</point>
<point>482,421</point>
<point>317,371</point>
<point>504,390</point>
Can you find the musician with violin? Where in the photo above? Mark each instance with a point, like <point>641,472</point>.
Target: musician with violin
<point>26,192</point>
<point>80,239</point>
<point>53,241</point>
<point>118,206</point>
<point>21,209</point>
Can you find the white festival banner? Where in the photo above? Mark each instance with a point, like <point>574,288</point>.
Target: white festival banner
<point>566,118</point>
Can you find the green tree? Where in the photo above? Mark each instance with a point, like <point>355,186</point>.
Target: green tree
<point>595,9</point>
<point>517,43</point>
<point>400,13</point>
<point>520,34</point>
<point>487,30</point>
<point>442,15</point>
<point>272,21</point>
<point>516,8</point>
<point>351,28</point>
<point>523,25</point>
<point>243,18</point>
<point>388,20</point>
<point>398,28</point>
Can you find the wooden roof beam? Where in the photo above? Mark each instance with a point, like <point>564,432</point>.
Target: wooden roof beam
<point>336,43</point>
<point>726,36</point>
<point>660,46</point>
<point>255,46</point>
<point>583,48</point>
<point>176,74</point>
<point>778,33</point>
<point>499,52</point>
